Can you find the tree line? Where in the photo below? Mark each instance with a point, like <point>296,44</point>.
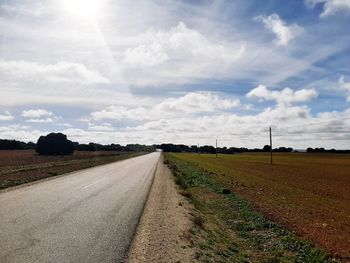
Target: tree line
<point>169,147</point>
<point>323,150</point>
<point>15,145</point>
<point>113,147</point>
<point>58,144</point>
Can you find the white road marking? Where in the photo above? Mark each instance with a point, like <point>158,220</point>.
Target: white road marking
<point>100,180</point>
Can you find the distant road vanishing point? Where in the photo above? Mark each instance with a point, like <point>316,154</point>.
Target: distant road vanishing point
<point>86,216</point>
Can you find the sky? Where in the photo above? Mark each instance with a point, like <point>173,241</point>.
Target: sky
<point>166,71</point>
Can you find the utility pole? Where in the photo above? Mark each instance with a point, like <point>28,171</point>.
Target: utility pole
<point>199,153</point>
<point>216,148</point>
<point>271,145</point>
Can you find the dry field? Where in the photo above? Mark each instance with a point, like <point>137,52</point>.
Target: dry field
<point>28,157</point>
<point>23,166</point>
<point>307,193</point>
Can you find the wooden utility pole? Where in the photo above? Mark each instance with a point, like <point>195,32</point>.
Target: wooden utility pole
<point>216,148</point>
<point>271,145</point>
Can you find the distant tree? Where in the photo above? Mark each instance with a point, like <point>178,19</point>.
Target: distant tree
<point>11,145</point>
<point>15,145</point>
<point>194,148</point>
<point>309,150</point>
<point>169,147</point>
<point>243,149</point>
<point>283,149</point>
<point>30,145</point>
<point>54,144</point>
<point>266,148</point>
<point>207,149</point>
<point>140,148</point>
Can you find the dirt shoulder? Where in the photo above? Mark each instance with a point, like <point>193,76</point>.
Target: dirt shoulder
<point>162,234</point>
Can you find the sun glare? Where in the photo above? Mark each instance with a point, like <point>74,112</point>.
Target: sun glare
<point>82,8</point>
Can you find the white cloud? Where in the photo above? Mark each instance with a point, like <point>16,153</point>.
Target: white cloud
<point>285,113</point>
<point>145,55</point>
<point>39,116</point>
<point>34,9</point>
<point>178,43</point>
<point>178,55</point>
<point>120,113</point>
<point>105,127</point>
<point>345,85</point>
<point>133,49</point>
<point>177,121</point>
<point>190,103</point>
<point>284,33</point>
<point>195,102</point>
<point>330,7</point>
<point>36,113</point>
<point>6,116</point>
<point>68,125</point>
<point>61,72</point>
<point>292,126</point>
<point>285,96</point>
<point>19,132</point>
<point>43,86</point>
<point>44,120</point>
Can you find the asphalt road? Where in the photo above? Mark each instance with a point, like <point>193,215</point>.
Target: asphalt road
<point>86,216</point>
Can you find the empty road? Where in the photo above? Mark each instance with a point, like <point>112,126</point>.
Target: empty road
<point>86,216</point>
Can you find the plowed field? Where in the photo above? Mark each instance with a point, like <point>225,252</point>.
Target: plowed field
<point>308,193</point>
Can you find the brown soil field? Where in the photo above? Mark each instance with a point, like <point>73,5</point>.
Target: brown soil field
<point>307,193</point>
<point>23,166</point>
<point>26,157</point>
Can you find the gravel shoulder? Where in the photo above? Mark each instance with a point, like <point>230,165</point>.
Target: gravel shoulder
<point>162,234</point>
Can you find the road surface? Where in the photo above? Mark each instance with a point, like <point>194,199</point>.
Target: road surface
<point>86,216</point>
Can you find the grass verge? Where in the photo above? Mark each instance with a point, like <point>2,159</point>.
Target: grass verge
<point>227,229</point>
